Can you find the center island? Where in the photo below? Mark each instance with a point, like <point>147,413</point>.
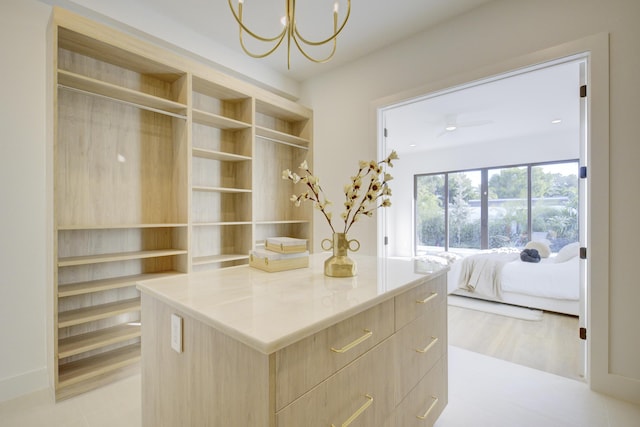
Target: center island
<point>243,347</point>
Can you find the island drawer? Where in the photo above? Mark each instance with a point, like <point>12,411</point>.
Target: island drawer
<point>426,401</point>
<point>306,363</point>
<point>417,301</point>
<point>361,393</point>
<point>419,345</point>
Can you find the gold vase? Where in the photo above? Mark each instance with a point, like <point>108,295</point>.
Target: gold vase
<point>340,265</point>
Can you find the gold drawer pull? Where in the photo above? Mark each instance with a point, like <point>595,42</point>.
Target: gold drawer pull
<point>426,414</point>
<point>433,342</point>
<point>349,346</point>
<point>358,412</point>
<point>427,299</point>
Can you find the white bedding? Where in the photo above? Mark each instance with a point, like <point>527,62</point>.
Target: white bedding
<point>548,280</point>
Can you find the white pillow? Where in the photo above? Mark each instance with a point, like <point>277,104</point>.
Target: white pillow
<point>569,251</point>
<point>541,247</point>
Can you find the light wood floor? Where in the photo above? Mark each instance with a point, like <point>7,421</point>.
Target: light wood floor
<point>550,345</point>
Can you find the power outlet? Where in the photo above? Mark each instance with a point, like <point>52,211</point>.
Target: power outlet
<point>176,333</point>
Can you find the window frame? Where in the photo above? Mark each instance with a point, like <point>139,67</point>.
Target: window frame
<point>484,199</point>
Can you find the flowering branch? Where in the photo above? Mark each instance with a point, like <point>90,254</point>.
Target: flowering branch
<point>317,195</point>
<point>357,202</point>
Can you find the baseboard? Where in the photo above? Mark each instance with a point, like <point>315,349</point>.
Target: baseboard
<point>19,385</point>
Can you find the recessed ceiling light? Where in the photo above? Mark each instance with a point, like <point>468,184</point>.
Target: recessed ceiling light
<point>556,121</point>
<point>451,128</point>
<point>412,145</point>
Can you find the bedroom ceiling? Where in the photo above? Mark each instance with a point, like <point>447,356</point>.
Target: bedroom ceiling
<point>526,105</point>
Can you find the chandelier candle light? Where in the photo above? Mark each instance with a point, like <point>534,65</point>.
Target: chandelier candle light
<point>290,32</point>
<point>360,199</point>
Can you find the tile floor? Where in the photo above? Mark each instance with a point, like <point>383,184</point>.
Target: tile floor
<point>489,392</point>
<point>483,392</point>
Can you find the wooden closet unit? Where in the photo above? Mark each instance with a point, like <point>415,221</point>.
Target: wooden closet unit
<point>160,168</point>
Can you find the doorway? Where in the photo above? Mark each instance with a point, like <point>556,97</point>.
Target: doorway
<point>530,116</point>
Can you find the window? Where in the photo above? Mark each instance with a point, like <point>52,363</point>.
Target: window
<point>507,207</point>
<point>497,207</point>
<point>465,230</point>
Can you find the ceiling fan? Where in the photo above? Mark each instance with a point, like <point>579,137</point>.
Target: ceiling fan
<point>451,124</point>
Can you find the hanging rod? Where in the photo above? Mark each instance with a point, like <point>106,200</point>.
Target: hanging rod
<point>278,141</point>
<point>133,104</point>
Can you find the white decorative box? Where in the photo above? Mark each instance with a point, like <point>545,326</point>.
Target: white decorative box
<point>273,261</point>
<point>286,245</point>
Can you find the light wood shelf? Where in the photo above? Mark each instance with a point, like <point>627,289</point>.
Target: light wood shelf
<point>97,312</point>
<point>275,222</point>
<point>219,155</point>
<point>83,288</point>
<point>120,256</point>
<point>97,339</point>
<point>282,137</point>
<point>213,259</point>
<point>68,227</point>
<point>220,223</point>
<point>221,189</point>
<point>118,93</point>
<point>217,121</point>
<point>95,366</point>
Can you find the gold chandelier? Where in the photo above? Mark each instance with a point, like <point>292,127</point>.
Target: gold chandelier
<point>290,32</point>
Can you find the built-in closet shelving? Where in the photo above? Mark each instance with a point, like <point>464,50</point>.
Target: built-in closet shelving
<point>221,174</point>
<point>161,166</point>
<point>284,136</point>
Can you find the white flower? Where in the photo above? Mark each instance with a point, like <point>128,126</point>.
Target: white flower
<point>356,202</point>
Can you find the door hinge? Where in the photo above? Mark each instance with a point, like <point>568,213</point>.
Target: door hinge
<point>386,240</point>
<point>583,172</point>
<point>583,91</point>
<point>583,333</point>
<point>386,134</point>
<point>583,253</point>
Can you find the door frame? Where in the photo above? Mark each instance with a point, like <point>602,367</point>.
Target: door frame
<point>596,51</point>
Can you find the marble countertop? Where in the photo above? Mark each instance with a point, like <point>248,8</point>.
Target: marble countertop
<point>269,311</point>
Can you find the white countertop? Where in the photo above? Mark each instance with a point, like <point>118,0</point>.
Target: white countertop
<point>269,311</point>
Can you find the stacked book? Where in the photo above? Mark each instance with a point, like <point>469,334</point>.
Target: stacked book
<point>279,254</point>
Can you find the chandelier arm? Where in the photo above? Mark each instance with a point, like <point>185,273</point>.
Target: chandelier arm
<point>333,37</point>
<point>251,33</point>
<point>309,57</point>
<point>260,55</point>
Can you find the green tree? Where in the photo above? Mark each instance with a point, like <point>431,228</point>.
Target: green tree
<point>430,210</point>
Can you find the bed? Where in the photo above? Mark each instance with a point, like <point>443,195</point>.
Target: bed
<point>553,284</point>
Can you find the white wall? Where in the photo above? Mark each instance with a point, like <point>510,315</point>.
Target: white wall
<point>496,33</point>
<point>23,255</point>
<point>531,149</point>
